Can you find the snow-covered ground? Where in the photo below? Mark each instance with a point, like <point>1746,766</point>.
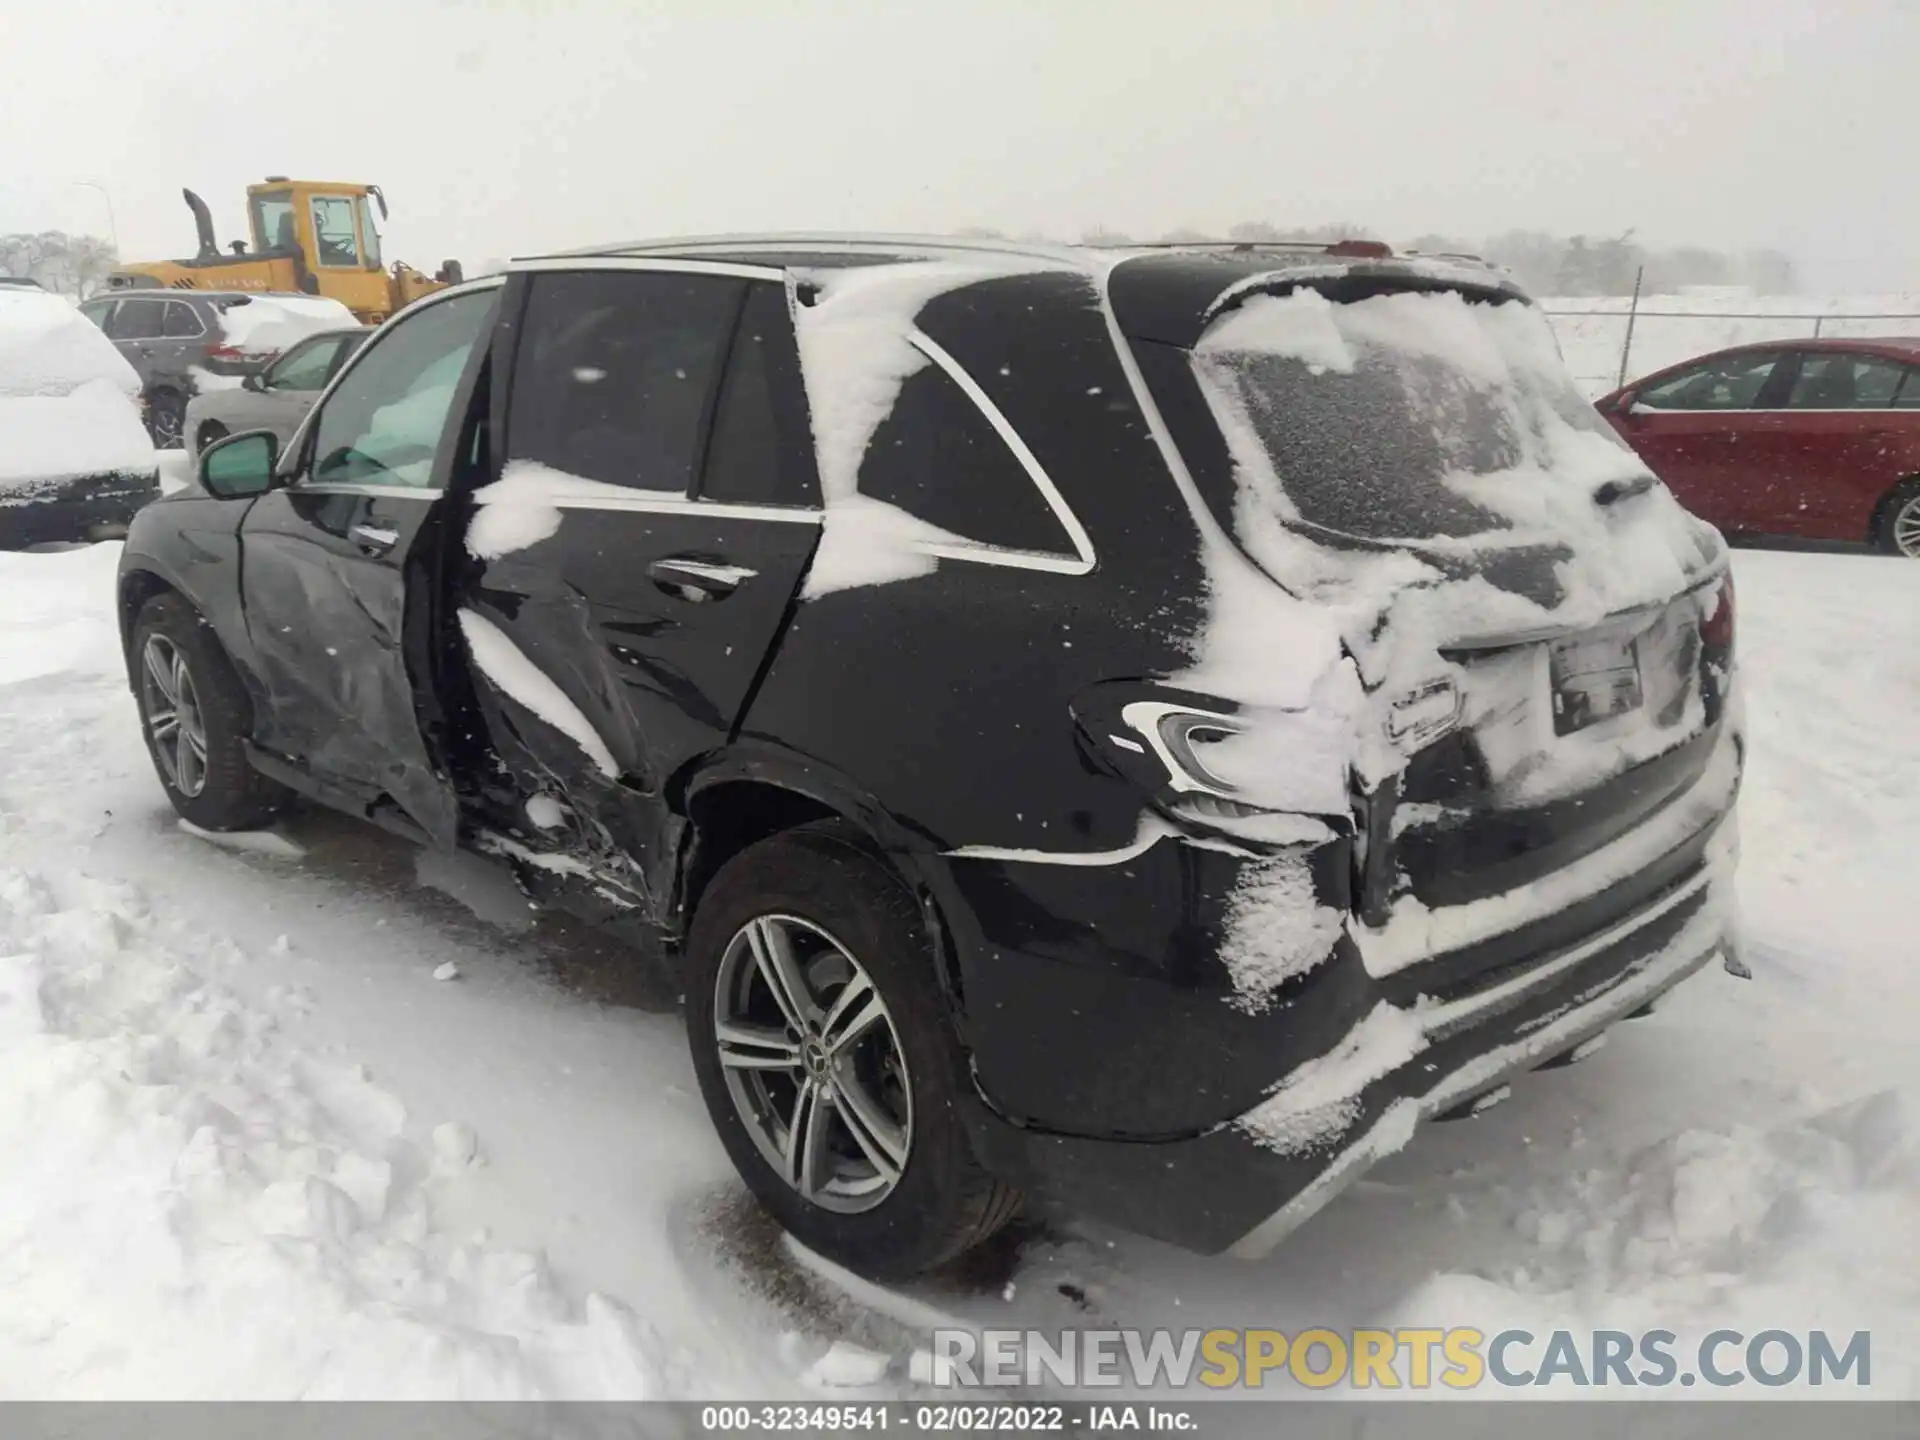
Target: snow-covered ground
<point>252,1145</point>
<point>1672,328</point>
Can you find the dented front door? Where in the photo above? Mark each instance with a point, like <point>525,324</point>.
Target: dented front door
<point>334,570</point>
<point>640,551</point>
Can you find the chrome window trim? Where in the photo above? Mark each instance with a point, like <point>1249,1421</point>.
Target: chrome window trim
<point>1083,559</point>
<point>666,502</point>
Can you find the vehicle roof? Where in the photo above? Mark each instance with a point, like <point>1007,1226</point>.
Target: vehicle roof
<point>1167,292</point>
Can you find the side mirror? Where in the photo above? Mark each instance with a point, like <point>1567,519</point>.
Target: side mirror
<point>254,380</point>
<point>240,465</point>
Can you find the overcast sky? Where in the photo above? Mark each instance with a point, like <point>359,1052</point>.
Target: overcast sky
<point>507,126</point>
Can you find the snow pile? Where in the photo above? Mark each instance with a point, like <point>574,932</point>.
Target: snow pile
<point>264,1218</point>
<point>49,348</point>
<point>506,665</point>
<point>66,397</point>
<point>264,326</point>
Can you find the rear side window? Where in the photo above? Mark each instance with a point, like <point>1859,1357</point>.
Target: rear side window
<point>1844,382</point>
<point>1909,396</point>
<point>759,454</point>
<point>181,323</point>
<point>937,457</point>
<point>137,320</point>
<point>615,374</point>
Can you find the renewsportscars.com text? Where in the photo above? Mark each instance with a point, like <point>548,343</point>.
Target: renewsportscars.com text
<point>1458,1358</point>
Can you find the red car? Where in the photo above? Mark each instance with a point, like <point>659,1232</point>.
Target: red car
<point>1810,439</point>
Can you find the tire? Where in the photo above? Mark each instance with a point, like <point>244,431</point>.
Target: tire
<point>213,785</point>
<point>209,433</point>
<point>1898,531</point>
<point>166,415</point>
<point>833,902</point>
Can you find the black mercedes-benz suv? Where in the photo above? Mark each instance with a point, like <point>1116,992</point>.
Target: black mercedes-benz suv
<point>1145,727</point>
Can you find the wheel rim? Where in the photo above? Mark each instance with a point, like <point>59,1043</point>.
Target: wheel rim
<point>166,426</point>
<point>813,1063</point>
<point>175,722</point>
<point>1906,529</point>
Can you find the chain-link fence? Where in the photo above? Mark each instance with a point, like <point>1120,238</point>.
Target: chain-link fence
<point>1606,339</point>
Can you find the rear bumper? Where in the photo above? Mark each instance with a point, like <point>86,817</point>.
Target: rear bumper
<point>92,507</point>
<point>1230,1189</point>
<point>1126,1084</point>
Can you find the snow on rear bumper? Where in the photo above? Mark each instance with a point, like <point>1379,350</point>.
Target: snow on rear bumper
<point>1558,1017</point>
<point>1243,1185</point>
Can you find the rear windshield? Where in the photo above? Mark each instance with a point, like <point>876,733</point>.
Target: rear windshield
<point>1410,415</point>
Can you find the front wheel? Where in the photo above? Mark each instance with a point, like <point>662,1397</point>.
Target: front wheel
<point>1900,521</point>
<point>195,714</point>
<point>826,1058</point>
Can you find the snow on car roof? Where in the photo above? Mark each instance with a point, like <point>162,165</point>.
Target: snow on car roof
<point>47,347</point>
<point>272,323</point>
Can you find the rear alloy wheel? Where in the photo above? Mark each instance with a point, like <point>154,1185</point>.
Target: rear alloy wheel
<point>828,1059</point>
<point>195,716</point>
<point>812,1063</point>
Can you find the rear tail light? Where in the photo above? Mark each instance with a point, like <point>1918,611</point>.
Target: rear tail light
<point>1716,629</point>
<point>235,355</point>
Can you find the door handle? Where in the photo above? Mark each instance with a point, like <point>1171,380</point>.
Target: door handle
<point>373,539</point>
<point>698,580</point>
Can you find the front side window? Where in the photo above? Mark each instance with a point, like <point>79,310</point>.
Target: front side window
<point>305,366</point>
<point>333,233</point>
<point>98,311</point>
<point>1830,381</point>
<point>1909,396</point>
<point>273,227</point>
<point>1733,382</point>
<point>382,425</point>
<point>615,372</point>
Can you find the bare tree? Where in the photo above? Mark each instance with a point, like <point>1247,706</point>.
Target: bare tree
<point>76,265</point>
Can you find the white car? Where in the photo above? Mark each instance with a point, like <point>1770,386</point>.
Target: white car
<point>276,398</point>
<point>75,460</point>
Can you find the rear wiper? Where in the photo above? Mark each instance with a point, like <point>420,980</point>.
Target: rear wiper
<point>1614,491</point>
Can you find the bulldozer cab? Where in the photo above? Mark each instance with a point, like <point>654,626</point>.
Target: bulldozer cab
<point>311,236</point>
<point>331,227</point>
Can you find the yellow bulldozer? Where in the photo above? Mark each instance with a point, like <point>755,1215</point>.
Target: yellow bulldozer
<point>309,236</point>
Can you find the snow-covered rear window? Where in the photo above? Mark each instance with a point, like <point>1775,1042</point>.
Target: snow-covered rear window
<point>1413,415</point>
